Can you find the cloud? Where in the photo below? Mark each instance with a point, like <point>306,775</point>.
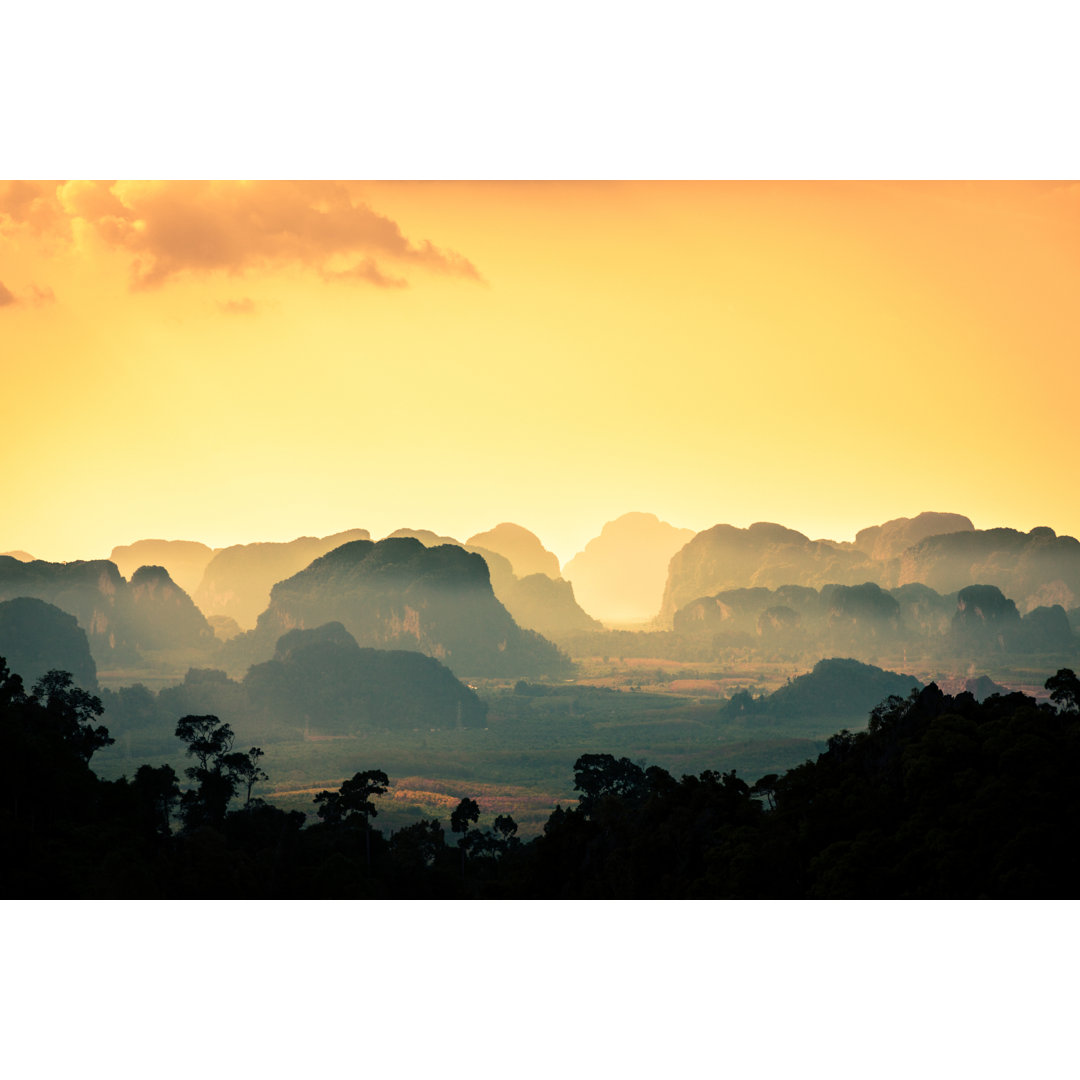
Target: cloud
<point>366,270</point>
<point>37,296</point>
<point>172,228</point>
<point>31,206</point>
<point>243,306</point>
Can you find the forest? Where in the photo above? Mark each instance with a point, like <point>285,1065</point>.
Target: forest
<point>939,797</point>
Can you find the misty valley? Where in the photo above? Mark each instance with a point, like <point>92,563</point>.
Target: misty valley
<point>726,713</point>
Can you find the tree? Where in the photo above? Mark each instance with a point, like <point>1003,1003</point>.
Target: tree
<point>156,793</point>
<point>353,800</point>
<point>598,776</point>
<point>467,810</point>
<point>506,827</point>
<point>219,772</point>
<point>70,711</point>
<point>1064,690</point>
<point>247,768</point>
<point>416,847</point>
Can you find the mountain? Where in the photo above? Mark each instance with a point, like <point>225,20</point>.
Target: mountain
<point>120,619</point>
<point>238,579</point>
<point>322,680</point>
<point>987,621</point>
<point>620,575</point>
<point>185,560</point>
<point>425,536</point>
<point>527,555</point>
<point>94,592</point>
<point>765,555</point>
<point>397,593</point>
<point>22,556</point>
<point>891,540</point>
<point>836,691</point>
<point>536,602</point>
<point>36,637</point>
<point>1036,569</point>
<point>163,616</point>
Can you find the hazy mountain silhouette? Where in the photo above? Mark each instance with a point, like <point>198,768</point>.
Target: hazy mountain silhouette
<point>766,555</point>
<point>620,575</point>
<point>321,679</point>
<point>185,560</point>
<point>1038,568</point>
<point>546,606</point>
<point>891,540</point>
<point>22,556</point>
<point>37,637</point>
<point>837,690</point>
<point>400,594</point>
<point>536,602</point>
<point>163,616</point>
<point>119,618</point>
<point>527,555</point>
<point>238,579</point>
<point>425,536</point>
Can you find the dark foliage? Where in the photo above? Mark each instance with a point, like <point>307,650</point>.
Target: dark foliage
<point>939,797</point>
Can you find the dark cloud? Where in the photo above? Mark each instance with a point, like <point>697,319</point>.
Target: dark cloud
<point>243,306</point>
<point>172,228</point>
<point>6,295</point>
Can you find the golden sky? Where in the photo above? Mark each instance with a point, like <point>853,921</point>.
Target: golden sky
<point>232,362</point>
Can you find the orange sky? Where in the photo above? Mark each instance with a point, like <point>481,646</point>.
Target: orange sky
<point>236,362</point>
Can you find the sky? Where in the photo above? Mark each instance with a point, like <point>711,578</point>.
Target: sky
<point>230,361</point>
<point>238,361</point>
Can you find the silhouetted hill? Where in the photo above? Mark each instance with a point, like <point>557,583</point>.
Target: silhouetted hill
<point>765,554</point>
<point>620,575</point>
<point>185,560</point>
<point>536,602</point>
<point>37,637</point>
<point>237,580</point>
<point>425,536</point>
<point>548,607</point>
<point>891,540</point>
<point>1036,569</point>
<point>836,691</point>
<point>321,680</point>
<point>22,556</point>
<point>94,592</point>
<point>163,616</point>
<point>119,619</point>
<point>526,553</point>
<point>400,594</point>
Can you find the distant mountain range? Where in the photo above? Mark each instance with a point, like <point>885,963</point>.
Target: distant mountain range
<point>399,594</point>
<point>619,577</point>
<point>120,618</point>
<point>1035,569</point>
<point>772,584</point>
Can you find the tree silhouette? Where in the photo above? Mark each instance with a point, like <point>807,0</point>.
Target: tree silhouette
<point>467,810</point>
<point>599,775</point>
<point>247,768</point>
<point>353,800</point>
<point>156,792</point>
<point>70,711</point>
<point>1064,690</point>
<point>219,772</point>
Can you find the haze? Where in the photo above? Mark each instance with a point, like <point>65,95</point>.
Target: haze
<point>218,362</point>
